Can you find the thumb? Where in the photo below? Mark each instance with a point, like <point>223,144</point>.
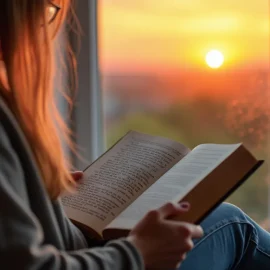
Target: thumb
<point>172,209</point>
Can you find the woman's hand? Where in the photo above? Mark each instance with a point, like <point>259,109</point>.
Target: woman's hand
<point>164,243</point>
<point>77,176</point>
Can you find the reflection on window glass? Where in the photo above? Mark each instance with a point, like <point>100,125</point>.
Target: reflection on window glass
<point>194,71</point>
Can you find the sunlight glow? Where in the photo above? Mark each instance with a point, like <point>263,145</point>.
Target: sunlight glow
<point>214,59</point>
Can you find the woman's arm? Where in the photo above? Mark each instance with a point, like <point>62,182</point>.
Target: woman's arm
<point>22,244</point>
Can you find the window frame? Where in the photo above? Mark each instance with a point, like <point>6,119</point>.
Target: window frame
<point>87,116</point>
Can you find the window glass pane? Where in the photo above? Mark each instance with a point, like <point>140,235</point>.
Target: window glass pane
<point>194,71</point>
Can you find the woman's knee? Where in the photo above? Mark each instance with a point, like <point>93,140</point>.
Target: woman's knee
<point>230,210</point>
<point>225,212</point>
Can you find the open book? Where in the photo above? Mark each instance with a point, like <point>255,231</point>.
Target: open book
<point>142,172</point>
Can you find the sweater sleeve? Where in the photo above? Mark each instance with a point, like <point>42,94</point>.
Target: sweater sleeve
<point>22,241</point>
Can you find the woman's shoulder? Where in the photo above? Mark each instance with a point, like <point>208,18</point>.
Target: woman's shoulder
<point>7,118</point>
<point>7,121</point>
<point>11,171</point>
<point>15,151</point>
<point>11,133</point>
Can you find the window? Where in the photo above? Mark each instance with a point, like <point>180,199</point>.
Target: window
<point>194,71</point>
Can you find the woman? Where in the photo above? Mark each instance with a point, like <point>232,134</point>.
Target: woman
<point>34,231</point>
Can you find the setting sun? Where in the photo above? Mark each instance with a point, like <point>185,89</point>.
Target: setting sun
<point>214,59</point>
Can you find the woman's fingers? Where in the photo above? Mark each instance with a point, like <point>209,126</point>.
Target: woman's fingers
<point>164,242</point>
<point>192,230</point>
<point>187,230</point>
<point>77,176</point>
<point>197,232</point>
<point>172,209</point>
<point>185,205</point>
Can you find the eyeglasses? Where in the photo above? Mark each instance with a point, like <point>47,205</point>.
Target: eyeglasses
<point>51,12</point>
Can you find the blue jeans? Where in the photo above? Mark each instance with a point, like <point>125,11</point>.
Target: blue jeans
<point>232,240</point>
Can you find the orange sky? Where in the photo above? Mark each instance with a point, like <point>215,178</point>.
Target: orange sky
<point>145,35</point>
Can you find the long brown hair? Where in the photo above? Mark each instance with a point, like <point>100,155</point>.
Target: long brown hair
<point>27,54</point>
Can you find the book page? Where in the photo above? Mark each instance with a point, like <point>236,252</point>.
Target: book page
<point>176,183</point>
<point>120,176</point>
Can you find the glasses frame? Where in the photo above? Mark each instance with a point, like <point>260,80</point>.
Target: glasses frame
<point>56,13</point>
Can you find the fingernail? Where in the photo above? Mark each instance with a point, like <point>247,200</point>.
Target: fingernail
<point>184,205</point>
<point>78,175</point>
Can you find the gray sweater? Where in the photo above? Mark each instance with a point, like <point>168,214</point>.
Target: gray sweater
<point>34,231</point>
